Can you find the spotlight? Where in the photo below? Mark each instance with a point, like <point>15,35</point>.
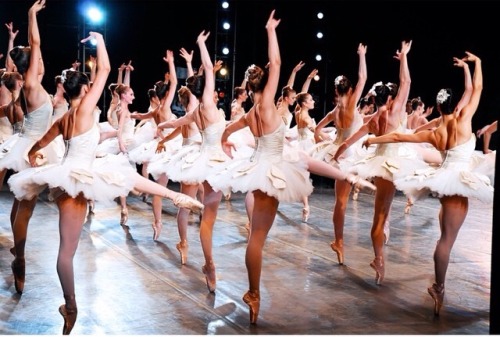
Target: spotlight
<point>223,71</point>
<point>319,35</point>
<point>93,41</point>
<point>316,78</point>
<point>95,15</point>
<point>225,50</point>
<point>318,57</point>
<point>225,4</point>
<point>226,25</point>
<point>320,15</point>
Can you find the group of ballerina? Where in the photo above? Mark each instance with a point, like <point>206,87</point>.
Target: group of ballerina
<point>62,146</point>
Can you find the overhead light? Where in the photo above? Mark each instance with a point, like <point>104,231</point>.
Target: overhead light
<point>225,4</point>
<point>319,35</point>
<point>320,15</point>
<point>226,25</point>
<point>225,50</point>
<point>318,57</point>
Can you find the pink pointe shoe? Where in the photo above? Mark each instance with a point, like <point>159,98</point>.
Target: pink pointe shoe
<point>210,277</point>
<point>185,201</point>
<point>157,227</point>
<point>305,214</point>
<point>339,250</point>
<point>182,247</point>
<point>359,182</point>
<point>437,293</point>
<point>378,265</point>
<point>252,299</point>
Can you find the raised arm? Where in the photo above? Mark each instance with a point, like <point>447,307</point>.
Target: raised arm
<point>362,75</point>
<point>466,96</point>
<point>477,87</point>
<point>103,69</point>
<point>189,61</point>
<point>9,64</point>
<point>307,82</point>
<point>128,70</point>
<point>31,78</point>
<point>208,68</point>
<point>401,98</point>
<point>273,52</point>
<point>169,58</point>
<point>295,70</point>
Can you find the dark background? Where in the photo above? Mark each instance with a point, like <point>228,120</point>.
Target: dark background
<point>142,31</point>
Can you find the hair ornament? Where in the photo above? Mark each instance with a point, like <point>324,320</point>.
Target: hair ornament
<point>63,75</point>
<point>442,96</point>
<point>372,90</point>
<point>338,79</point>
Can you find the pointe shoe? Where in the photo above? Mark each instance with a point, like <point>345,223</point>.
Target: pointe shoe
<point>228,196</point>
<point>408,206</point>
<point>378,265</point>
<point>339,251</point>
<point>157,227</point>
<point>357,181</point>
<point>252,299</point>
<point>182,247</point>
<point>437,293</point>
<point>305,214</point>
<point>210,278</point>
<point>18,267</point>
<point>185,201</point>
<point>387,232</point>
<point>69,316</point>
<point>124,216</point>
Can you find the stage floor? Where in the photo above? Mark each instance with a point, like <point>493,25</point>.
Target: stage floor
<point>126,283</point>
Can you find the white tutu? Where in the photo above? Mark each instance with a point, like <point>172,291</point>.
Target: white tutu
<point>192,164</point>
<point>455,176</point>
<point>283,177</point>
<point>101,179</point>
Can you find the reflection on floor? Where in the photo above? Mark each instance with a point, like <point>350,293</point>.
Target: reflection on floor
<point>126,283</point>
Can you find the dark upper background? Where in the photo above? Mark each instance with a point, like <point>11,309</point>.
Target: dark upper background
<point>141,31</point>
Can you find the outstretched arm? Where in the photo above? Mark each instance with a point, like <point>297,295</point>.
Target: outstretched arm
<point>169,58</point>
<point>208,68</point>
<point>273,52</point>
<point>395,137</point>
<point>307,82</point>
<point>189,61</point>
<point>36,63</point>
<point>9,64</point>
<point>401,98</point>
<point>466,96</point>
<point>295,70</point>
<point>477,87</point>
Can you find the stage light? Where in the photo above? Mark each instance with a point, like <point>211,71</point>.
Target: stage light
<point>226,25</point>
<point>320,15</point>
<point>95,15</point>
<point>225,50</point>
<point>319,35</point>
<point>225,4</point>
<point>223,71</point>
<point>90,64</point>
<point>93,42</point>
<point>318,57</point>
<point>316,78</point>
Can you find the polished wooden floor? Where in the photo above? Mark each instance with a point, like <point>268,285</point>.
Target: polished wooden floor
<point>126,283</point>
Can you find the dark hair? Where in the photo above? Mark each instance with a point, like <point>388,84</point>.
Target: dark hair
<point>256,78</point>
<point>393,89</point>
<point>301,97</point>
<point>342,85</point>
<point>74,82</point>
<point>121,88</point>
<point>58,79</point>
<point>21,57</point>
<point>184,94</point>
<point>161,89</point>
<point>196,84</point>
<point>415,103</point>
<point>286,91</point>
<point>382,93</point>
<point>151,93</point>
<point>366,101</point>
<point>9,79</point>
<point>444,101</point>
<point>238,91</point>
